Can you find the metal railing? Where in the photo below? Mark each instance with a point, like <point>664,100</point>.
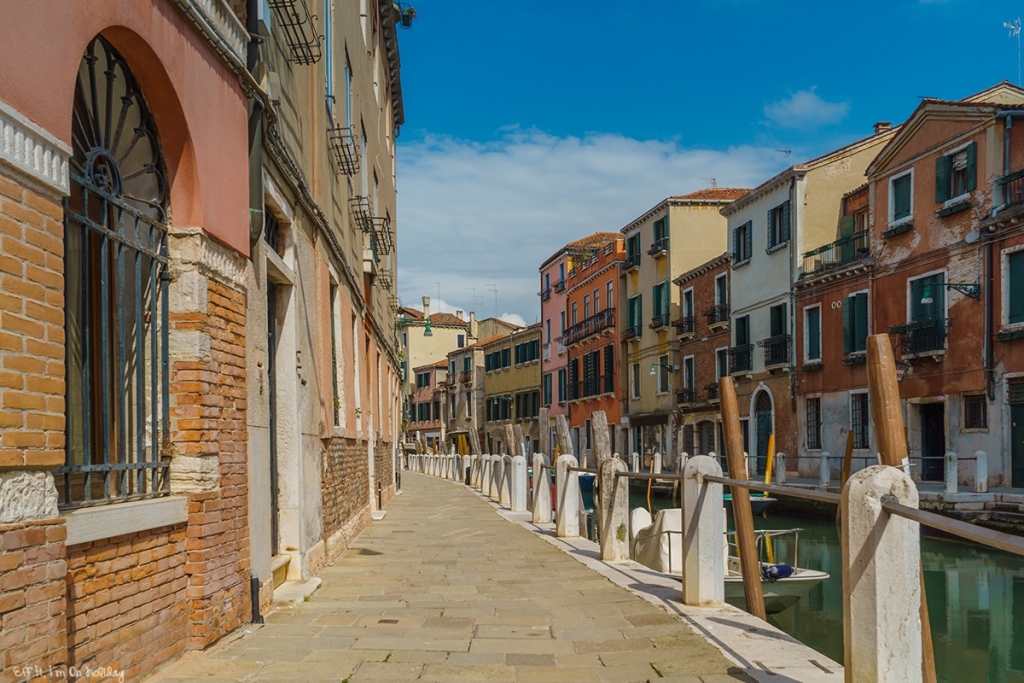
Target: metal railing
<point>632,331</point>
<point>718,314</point>
<point>300,35</point>
<point>659,246</point>
<point>1013,188</point>
<point>711,391</point>
<point>776,350</point>
<point>685,325</point>
<point>922,337</point>
<point>342,143</point>
<point>686,396</point>
<point>741,358</point>
<point>559,286</point>
<point>545,294</point>
<point>632,261</point>
<point>839,253</point>
<point>595,386</point>
<point>466,376</point>
<point>592,325</point>
<point>659,321</point>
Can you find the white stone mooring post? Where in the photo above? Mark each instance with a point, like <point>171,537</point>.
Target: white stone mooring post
<point>824,471</point>
<point>703,534</point>
<point>614,502</point>
<point>981,472</point>
<point>657,463</point>
<point>780,469</point>
<point>505,483</point>
<point>485,475</point>
<point>496,476</point>
<point>567,513</point>
<point>950,475</point>
<point>541,489</point>
<point>634,462</point>
<point>518,484</point>
<point>881,579</point>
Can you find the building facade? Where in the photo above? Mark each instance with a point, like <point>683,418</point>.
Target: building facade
<point>553,315</point>
<point>426,338</point>
<point>201,364</point>
<point>428,405</point>
<point>512,388</point>
<point>592,339</point>
<point>466,395</point>
<point>770,228</point>
<point>703,333</point>
<point>675,236</point>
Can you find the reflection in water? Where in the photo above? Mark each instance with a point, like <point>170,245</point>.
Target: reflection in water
<point>975,601</point>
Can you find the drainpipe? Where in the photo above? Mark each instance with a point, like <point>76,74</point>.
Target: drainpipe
<point>255,128</point>
<point>793,353</point>
<point>989,326</point>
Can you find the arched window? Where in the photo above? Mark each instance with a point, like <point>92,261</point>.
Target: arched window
<point>116,276</point>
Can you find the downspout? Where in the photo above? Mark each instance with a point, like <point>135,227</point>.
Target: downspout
<point>793,355</point>
<point>255,128</point>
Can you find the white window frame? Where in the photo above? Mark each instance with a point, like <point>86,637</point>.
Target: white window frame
<point>682,371</point>
<point>718,302</point>
<point>682,303</point>
<point>892,198</point>
<point>910,289</point>
<point>960,197</point>
<point>597,301</point>
<point>807,346</point>
<point>609,293</point>
<point>821,431</point>
<point>1004,289</point>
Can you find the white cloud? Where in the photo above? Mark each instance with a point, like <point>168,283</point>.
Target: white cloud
<point>477,214</point>
<point>513,318</point>
<point>805,108</point>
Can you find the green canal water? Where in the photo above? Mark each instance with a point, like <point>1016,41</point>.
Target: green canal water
<point>975,599</point>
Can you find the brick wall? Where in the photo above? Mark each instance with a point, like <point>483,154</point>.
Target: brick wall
<point>345,496</point>
<point>31,328</point>
<point>387,472</point>
<point>32,574</point>
<point>126,601</point>
<point>208,417</point>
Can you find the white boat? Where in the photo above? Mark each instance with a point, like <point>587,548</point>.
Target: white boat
<point>658,544</point>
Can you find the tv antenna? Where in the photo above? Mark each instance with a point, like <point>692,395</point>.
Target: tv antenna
<point>711,181</point>
<point>788,153</point>
<point>438,294</point>
<point>494,288</point>
<point>477,298</point>
<point>1014,28</point>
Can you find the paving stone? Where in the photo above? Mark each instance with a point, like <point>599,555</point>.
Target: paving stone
<point>543,674</point>
<point>516,659</point>
<point>387,671</point>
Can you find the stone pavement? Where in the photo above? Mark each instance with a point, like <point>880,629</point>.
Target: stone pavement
<point>443,589</point>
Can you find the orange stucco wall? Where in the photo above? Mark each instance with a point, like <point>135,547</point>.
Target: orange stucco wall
<point>197,103</point>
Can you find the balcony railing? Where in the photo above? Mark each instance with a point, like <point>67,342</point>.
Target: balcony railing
<point>592,325</point>
<point>711,391</point>
<point>925,336</point>
<point>466,376</point>
<point>545,294</point>
<point>838,253</point>
<point>595,386</point>
<point>686,396</point>
<point>1013,188</point>
<point>659,246</point>
<point>686,325</point>
<point>741,358</point>
<point>659,321</point>
<point>299,32</point>
<point>776,350</point>
<point>632,332</point>
<point>342,143</point>
<point>560,286</point>
<point>632,261</point>
<point>718,315</point>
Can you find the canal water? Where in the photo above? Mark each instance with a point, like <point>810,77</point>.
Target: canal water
<point>975,599</point>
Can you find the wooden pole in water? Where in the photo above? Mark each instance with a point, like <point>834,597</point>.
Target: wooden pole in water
<point>887,418</point>
<point>848,458</point>
<point>771,458</point>
<point>741,512</point>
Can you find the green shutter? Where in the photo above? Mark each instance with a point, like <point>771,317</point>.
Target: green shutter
<point>813,333</point>
<point>771,231</point>
<point>665,298</point>
<point>972,166</point>
<point>848,343</point>
<point>901,197</point>
<point>656,297</point>
<point>748,237</point>
<point>785,221</point>
<point>861,322</point>
<point>847,226</point>
<point>943,168</point>
<point>639,309</point>
<point>1015,306</point>
<point>736,245</point>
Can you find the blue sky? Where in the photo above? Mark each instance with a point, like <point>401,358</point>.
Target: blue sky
<point>529,124</point>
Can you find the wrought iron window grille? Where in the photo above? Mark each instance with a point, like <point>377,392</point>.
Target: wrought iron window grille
<point>344,151</point>
<point>296,23</point>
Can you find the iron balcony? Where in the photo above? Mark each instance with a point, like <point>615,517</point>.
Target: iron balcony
<point>602,320</point>
<point>839,253</point>
<point>924,336</point>
<point>718,315</point>
<point>741,358</point>
<point>776,350</point>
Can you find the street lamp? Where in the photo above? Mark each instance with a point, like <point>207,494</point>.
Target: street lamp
<point>670,368</point>
<point>967,289</point>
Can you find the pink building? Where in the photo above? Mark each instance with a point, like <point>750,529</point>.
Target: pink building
<point>553,358</point>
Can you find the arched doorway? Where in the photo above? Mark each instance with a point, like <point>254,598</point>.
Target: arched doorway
<point>763,424</point>
<point>116,279</point>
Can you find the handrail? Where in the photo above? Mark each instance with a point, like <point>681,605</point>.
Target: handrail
<point>581,469</point>
<point>990,537</point>
<point>649,475</point>
<point>792,491</point>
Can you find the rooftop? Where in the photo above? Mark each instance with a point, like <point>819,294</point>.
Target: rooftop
<point>726,194</point>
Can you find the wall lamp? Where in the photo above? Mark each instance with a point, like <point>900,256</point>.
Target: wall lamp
<point>967,289</point>
<point>670,368</point>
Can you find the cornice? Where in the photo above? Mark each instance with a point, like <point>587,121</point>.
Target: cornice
<point>33,151</point>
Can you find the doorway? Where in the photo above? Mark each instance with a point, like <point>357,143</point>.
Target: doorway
<point>1017,445</point>
<point>763,415</point>
<point>272,410</point>
<point>933,441</point>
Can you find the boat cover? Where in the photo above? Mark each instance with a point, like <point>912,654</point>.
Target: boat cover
<point>660,545</point>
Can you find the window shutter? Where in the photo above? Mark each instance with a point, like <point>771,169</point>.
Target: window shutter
<point>748,238</point>
<point>848,307</point>
<point>736,245</point>
<point>861,322</point>
<point>785,221</point>
<point>639,309</point>
<point>972,166</point>
<point>813,332</point>
<point>665,299</point>
<point>1015,306</point>
<point>847,226</point>
<point>771,228</point>
<point>943,166</point>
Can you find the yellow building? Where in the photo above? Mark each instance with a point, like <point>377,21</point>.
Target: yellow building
<point>675,236</point>
<point>512,387</point>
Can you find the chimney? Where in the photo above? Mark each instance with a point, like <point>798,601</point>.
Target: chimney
<point>458,313</point>
<point>426,307</point>
<point>882,126</point>
<point>473,326</point>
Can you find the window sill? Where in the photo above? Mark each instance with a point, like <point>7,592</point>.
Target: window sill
<point>776,248</point>
<point>813,367</point>
<point>975,430</point>
<point>737,266</point>
<point>950,209</point>
<point>119,519</point>
<point>898,228</point>
<point>1011,332</point>
<point>855,360</point>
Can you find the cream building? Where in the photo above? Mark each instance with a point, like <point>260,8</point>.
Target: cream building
<point>675,236</point>
<point>512,387</point>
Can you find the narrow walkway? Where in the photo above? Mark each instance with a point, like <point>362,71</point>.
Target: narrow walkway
<point>443,589</point>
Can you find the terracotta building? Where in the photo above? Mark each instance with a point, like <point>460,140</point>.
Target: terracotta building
<point>429,403</point>
<point>200,372</point>
<point>592,338</point>
<point>703,333</point>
